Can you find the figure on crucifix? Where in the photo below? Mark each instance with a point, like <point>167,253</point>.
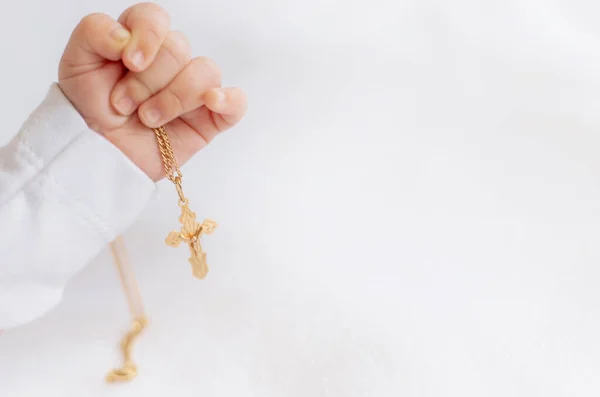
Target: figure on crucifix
<point>190,233</point>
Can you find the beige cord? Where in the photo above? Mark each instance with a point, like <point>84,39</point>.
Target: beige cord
<point>129,370</point>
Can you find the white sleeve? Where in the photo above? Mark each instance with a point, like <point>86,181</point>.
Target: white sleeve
<point>65,193</point>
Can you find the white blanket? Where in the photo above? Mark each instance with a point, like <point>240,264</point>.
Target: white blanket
<point>411,208</point>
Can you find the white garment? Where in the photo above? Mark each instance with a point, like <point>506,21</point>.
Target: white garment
<point>65,193</point>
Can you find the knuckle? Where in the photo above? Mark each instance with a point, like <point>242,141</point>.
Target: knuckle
<point>139,87</point>
<point>91,21</point>
<point>178,47</point>
<point>207,71</point>
<point>176,102</point>
<point>152,39</point>
<point>155,13</point>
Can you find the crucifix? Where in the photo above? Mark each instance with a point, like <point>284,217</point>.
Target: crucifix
<point>190,229</point>
<point>190,233</point>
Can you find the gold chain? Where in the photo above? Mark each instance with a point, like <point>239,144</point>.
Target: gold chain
<point>172,170</point>
<point>191,231</point>
<point>190,234</point>
<point>129,370</point>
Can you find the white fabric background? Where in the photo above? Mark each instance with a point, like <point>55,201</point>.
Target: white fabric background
<point>410,208</point>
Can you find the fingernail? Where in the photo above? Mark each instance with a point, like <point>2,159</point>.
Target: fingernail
<point>152,115</point>
<point>221,96</point>
<point>125,105</point>
<point>137,58</point>
<point>120,34</point>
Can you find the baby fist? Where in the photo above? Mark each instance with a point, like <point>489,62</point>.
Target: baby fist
<point>130,75</point>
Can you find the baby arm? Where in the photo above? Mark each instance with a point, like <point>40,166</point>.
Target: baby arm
<point>84,164</point>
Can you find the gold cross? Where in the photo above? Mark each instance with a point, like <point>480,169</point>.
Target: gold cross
<point>190,233</point>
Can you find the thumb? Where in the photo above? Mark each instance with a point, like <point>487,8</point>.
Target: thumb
<point>96,39</point>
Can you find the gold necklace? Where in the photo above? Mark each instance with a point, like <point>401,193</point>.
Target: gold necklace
<point>190,233</point>
<point>129,370</point>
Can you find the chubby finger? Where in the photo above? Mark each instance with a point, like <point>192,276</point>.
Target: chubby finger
<point>223,108</point>
<point>135,88</point>
<point>149,25</point>
<point>97,38</point>
<point>192,131</point>
<point>228,105</point>
<point>184,94</point>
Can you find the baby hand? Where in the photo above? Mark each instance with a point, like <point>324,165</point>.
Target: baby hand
<point>129,76</point>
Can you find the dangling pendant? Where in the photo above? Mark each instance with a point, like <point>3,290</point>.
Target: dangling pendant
<point>190,233</point>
